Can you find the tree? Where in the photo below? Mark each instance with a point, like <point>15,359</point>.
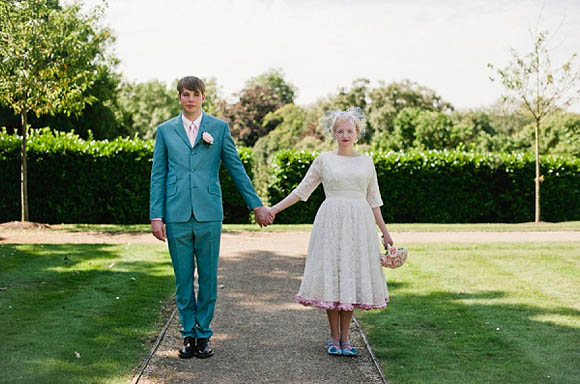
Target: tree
<point>262,94</point>
<point>405,125</point>
<point>213,96</point>
<point>560,134</point>
<point>274,80</point>
<point>435,130</point>
<point>146,105</point>
<point>386,101</point>
<point>50,56</point>
<point>294,129</point>
<point>247,115</point>
<point>542,88</point>
<point>103,118</point>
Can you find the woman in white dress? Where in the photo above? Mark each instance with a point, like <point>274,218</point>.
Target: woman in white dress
<point>342,269</point>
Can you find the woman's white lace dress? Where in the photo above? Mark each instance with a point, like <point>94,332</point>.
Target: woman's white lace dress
<point>342,269</point>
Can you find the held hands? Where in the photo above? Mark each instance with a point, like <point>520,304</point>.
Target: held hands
<point>158,229</point>
<point>264,216</point>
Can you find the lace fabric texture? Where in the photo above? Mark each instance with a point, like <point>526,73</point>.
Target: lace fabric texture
<point>342,269</point>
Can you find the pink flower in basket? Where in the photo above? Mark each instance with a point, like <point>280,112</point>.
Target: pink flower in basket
<point>394,257</point>
<point>207,138</point>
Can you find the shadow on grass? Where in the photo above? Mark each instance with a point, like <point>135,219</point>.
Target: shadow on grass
<point>99,301</point>
<point>478,337</point>
<point>34,256</point>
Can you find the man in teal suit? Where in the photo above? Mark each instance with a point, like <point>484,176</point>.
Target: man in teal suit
<point>186,207</point>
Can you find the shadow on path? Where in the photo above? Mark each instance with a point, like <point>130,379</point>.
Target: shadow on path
<point>260,333</point>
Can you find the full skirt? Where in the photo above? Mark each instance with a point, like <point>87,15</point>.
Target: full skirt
<point>343,270</point>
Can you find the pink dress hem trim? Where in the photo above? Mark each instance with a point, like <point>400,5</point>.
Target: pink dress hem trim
<point>336,305</point>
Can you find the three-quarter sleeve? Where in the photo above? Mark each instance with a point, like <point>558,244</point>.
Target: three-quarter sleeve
<point>373,192</point>
<point>312,179</point>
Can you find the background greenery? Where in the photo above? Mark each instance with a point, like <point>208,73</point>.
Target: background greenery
<point>403,116</point>
<point>447,187</point>
<point>400,116</point>
<point>80,181</point>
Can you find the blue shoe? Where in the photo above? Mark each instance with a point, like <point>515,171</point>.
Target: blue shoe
<point>348,349</point>
<point>333,348</point>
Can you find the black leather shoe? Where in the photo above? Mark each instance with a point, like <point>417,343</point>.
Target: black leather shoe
<point>203,349</point>
<point>189,348</point>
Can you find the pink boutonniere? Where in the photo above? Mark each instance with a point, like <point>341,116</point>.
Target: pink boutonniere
<point>207,138</point>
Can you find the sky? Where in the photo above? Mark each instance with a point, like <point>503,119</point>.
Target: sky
<point>321,45</point>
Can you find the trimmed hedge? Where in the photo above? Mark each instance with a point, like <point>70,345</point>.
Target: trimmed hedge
<point>71,180</point>
<point>76,181</point>
<point>448,187</point>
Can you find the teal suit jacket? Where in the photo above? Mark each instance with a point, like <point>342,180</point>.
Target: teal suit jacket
<point>185,180</point>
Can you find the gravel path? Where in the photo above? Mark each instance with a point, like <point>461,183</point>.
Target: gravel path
<point>261,334</point>
<point>402,238</point>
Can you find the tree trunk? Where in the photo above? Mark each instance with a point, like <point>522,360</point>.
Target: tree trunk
<point>23,169</point>
<point>537,171</point>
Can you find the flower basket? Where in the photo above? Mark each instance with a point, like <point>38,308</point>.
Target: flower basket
<point>394,257</point>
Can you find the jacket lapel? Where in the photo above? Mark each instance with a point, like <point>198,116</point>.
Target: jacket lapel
<point>180,130</point>
<point>202,128</point>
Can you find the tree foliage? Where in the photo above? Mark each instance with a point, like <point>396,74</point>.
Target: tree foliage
<point>146,105</point>
<point>382,104</point>
<point>102,119</point>
<point>560,134</point>
<point>274,80</point>
<point>387,100</point>
<point>293,130</point>
<point>262,94</point>
<point>246,116</point>
<point>50,57</point>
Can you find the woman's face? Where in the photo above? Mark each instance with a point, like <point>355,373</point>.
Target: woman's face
<point>345,133</point>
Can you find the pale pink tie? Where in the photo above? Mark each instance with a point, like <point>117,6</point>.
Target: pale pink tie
<point>191,133</point>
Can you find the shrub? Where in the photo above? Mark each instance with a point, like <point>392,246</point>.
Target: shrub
<point>71,180</point>
<point>445,187</point>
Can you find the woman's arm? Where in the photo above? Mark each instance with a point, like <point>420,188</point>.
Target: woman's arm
<point>288,201</point>
<point>308,184</point>
<point>382,226</point>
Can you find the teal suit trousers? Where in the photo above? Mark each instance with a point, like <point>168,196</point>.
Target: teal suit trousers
<point>195,245</point>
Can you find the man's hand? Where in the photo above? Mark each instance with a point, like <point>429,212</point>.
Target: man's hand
<point>264,216</point>
<point>158,229</point>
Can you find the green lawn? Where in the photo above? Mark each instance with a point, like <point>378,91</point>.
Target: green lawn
<point>100,301</point>
<point>481,313</point>
<point>423,227</point>
<point>459,313</point>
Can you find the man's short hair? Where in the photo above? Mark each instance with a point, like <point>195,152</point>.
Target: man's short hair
<point>192,83</point>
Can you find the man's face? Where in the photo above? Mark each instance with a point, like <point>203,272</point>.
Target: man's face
<point>191,100</point>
